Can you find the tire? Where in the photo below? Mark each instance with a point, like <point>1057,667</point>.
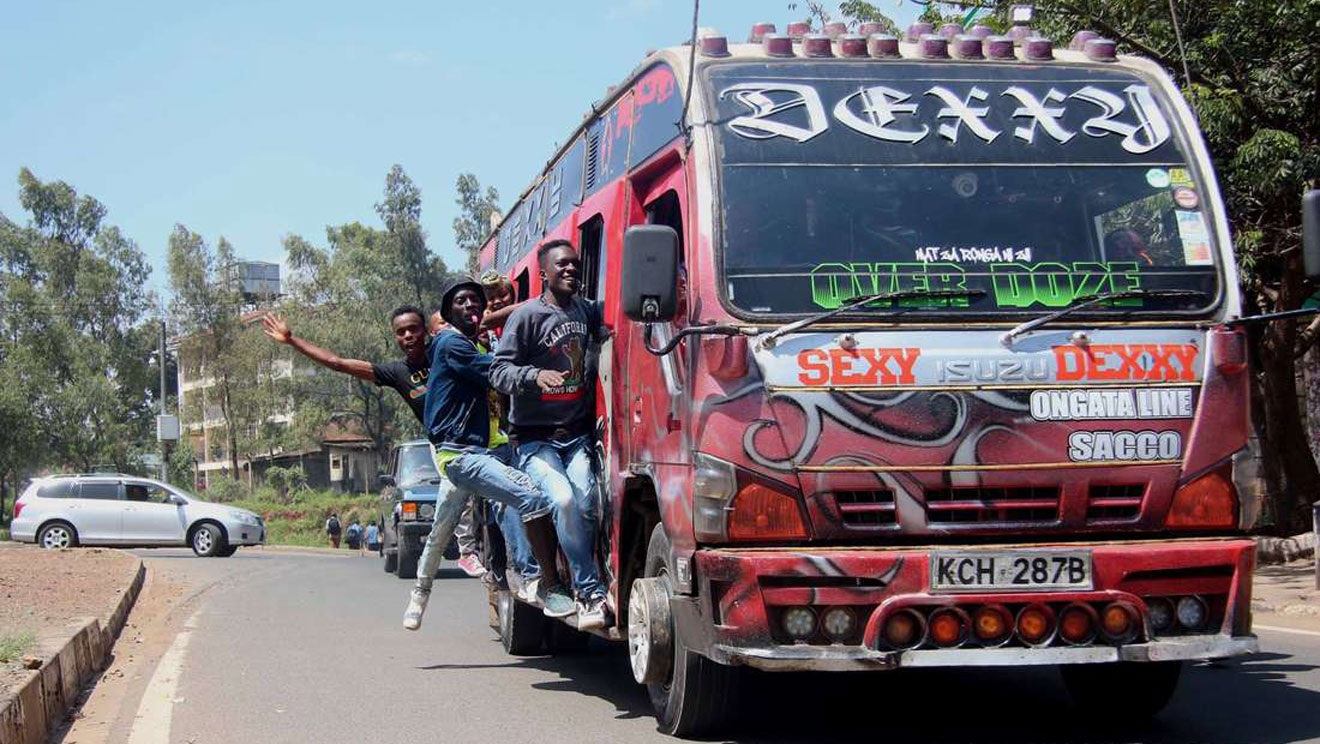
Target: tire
<point>391,561</point>
<point>1124,691</point>
<point>560,638</point>
<point>407,563</point>
<point>698,696</point>
<point>57,535</point>
<point>207,540</point>
<point>522,627</point>
<point>451,550</point>
<point>228,551</point>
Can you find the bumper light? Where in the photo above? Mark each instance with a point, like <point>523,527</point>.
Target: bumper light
<point>1192,612</point>
<point>905,629</point>
<point>1035,625</point>
<point>1159,611</point>
<point>799,623</point>
<point>1118,622</point>
<point>992,625</point>
<point>1209,502</point>
<point>948,627</point>
<point>1077,624</point>
<point>838,623</point>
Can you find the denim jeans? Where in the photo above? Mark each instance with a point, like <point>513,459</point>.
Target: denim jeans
<point>488,474</point>
<point>515,537</point>
<point>565,474</point>
<point>466,531</point>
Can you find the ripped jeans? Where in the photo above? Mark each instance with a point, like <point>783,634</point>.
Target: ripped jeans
<point>566,476</point>
<point>485,473</point>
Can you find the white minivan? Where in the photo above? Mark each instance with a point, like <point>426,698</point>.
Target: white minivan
<point>64,511</point>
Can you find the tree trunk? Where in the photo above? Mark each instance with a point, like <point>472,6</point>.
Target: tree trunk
<point>1294,479</point>
<point>1311,367</point>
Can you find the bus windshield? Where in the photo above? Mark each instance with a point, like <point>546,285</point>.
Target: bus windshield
<point>1041,185</point>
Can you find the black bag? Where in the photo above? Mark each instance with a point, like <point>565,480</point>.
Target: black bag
<point>333,526</point>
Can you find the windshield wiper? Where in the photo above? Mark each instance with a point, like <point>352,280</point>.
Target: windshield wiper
<point>768,340</point>
<point>1009,337</point>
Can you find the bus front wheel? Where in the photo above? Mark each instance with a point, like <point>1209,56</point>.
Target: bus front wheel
<point>696,696</point>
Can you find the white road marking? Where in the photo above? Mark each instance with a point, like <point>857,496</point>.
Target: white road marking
<point>1278,629</point>
<point>155,712</point>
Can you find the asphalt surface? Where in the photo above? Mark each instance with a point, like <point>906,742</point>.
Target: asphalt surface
<point>290,647</point>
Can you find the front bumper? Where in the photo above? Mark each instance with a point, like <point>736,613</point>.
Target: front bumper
<point>854,659</point>
<point>412,536</point>
<point>242,534</point>
<point>742,591</point>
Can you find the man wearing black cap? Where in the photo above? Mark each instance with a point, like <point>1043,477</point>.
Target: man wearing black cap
<point>470,450</point>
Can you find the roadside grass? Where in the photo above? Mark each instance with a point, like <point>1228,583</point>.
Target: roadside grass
<point>13,646</point>
<point>4,534</point>
<point>301,521</point>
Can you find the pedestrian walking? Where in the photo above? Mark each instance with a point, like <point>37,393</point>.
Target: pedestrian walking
<point>333,530</point>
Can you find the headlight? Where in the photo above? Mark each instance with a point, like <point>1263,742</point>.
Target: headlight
<point>244,517</point>
<point>426,511</point>
<point>714,484</point>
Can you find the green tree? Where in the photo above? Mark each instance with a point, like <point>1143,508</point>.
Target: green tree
<point>75,350</point>
<point>218,329</point>
<point>1251,70</point>
<point>472,224</point>
<point>421,272</point>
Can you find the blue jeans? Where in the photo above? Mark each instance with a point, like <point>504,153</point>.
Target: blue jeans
<point>515,538</point>
<point>565,474</point>
<point>486,474</point>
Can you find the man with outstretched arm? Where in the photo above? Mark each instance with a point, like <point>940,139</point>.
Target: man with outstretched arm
<point>472,452</point>
<point>407,377</point>
<point>546,366</point>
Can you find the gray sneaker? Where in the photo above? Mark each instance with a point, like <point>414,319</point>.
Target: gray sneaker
<point>591,614</point>
<point>555,602</point>
<point>412,617</point>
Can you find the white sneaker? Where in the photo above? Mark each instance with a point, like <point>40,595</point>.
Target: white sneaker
<point>412,617</point>
<point>527,591</point>
<point>591,614</point>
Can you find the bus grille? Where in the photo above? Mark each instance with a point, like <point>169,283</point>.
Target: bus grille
<point>1114,502</point>
<point>977,505</point>
<point>867,508</point>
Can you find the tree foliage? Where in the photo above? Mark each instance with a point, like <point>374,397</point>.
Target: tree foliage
<point>472,224</point>
<point>75,342</point>
<point>341,297</point>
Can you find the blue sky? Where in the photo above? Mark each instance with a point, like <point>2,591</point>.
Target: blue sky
<point>254,120</point>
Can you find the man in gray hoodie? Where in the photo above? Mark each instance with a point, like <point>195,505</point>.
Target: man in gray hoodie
<point>546,366</point>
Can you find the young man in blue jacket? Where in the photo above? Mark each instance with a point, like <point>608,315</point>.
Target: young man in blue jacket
<point>473,454</point>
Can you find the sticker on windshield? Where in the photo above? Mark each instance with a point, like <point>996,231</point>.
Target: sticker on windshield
<point>972,254</point>
<point>1015,284</point>
<point>1158,178</point>
<point>1195,237</point>
<point>1179,177</point>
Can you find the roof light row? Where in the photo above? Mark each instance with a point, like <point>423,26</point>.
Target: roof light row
<point>979,42</point>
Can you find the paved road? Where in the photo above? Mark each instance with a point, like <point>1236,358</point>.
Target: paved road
<point>281,647</point>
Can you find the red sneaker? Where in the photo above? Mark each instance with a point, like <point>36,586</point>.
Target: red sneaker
<point>471,566</point>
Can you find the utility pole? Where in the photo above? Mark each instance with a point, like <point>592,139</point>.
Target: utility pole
<point>167,427</point>
<point>164,444</point>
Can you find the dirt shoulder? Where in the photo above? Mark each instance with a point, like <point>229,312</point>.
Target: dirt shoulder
<point>44,592</point>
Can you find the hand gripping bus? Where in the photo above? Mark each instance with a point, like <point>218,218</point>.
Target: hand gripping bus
<point>923,355</point>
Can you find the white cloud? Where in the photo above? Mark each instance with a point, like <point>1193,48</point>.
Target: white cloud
<point>410,57</point>
<point>630,9</point>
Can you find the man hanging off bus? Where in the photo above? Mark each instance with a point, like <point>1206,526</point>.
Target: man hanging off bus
<point>472,453</point>
<point>546,366</point>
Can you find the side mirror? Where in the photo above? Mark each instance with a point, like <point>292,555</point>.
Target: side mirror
<point>1311,233</point>
<point>176,500</point>
<point>650,273</point>
<point>383,480</point>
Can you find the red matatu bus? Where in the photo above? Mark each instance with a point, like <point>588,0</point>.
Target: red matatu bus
<point>922,356</point>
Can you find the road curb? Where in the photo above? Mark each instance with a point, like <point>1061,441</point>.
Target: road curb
<point>34,711</point>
